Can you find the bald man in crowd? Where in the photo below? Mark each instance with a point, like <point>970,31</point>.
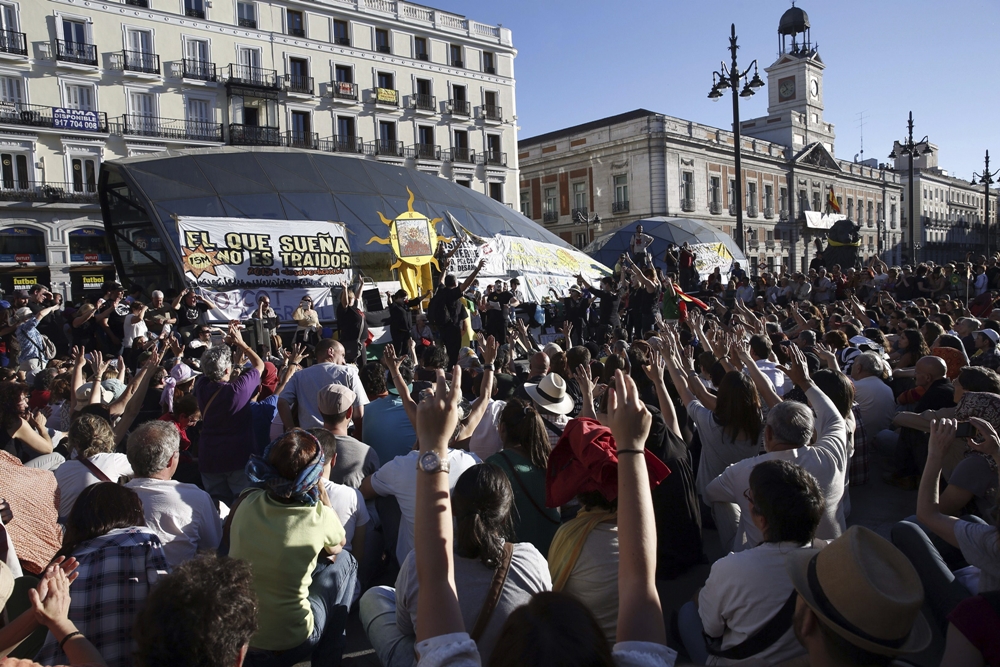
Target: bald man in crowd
<point>302,391</point>
<point>907,448</point>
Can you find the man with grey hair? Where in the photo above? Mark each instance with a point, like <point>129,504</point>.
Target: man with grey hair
<point>874,396</point>
<point>159,314</point>
<point>792,434</point>
<point>966,328</point>
<point>227,436</point>
<point>183,516</point>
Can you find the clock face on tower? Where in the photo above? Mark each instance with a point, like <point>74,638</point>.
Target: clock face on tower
<point>814,88</point>
<point>786,89</point>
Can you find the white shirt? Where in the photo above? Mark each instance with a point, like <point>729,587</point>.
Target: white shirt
<point>183,516</point>
<point>823,288</point>
<point>485,440</point>
<point>133,331</point>
<point>745,293</point>
<point>743,592</point>
<point>594,578</point>
<point>398,478</point>
<point>304,387</point>
<point>349,505</point>
<point>73,477</point>
<point>980,284</point>
<point>826,460</point>
<point>877,403</point>
<point>640,242</point>
<point>771,372</point>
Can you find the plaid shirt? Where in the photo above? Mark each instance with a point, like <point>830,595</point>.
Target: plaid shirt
<point>117,571</point>
<point>857,470</point>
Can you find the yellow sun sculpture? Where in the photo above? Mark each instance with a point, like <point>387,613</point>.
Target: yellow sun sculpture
<point>199,261</point>
<point>414,240</point>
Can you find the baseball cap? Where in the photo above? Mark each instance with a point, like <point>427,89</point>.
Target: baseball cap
<point>334,399</point>
<point>991,334</point>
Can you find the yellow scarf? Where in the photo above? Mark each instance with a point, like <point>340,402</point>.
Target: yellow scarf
<point>568,543</point>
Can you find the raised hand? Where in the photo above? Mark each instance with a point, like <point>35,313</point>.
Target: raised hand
<point>989,442</point>
<point>584,379</point>
<point>797,369</point>
<point>437,413</point>
<point>489,349</point>
<point>390,360</point>
<point>942,434</point>
<point>627,414</point>
<point>654,369</point>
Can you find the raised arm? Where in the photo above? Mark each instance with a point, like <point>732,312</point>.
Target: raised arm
<point>586,382</point>
<point>176,303</point>
<point>928,501</point>
<point>764,386</point>
<point>654,371</point>
<point>391,362</point>
<point>472,276</point>
<point>488,347</point>
<point>640,616</point>
<point>235,337</point>
<point>438,612</point>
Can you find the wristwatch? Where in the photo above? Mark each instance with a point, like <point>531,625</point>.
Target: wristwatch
<point>430,462</point>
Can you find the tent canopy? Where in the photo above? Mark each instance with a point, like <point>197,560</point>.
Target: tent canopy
<point>666,230</point>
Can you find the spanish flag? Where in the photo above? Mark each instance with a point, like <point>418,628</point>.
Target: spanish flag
<point>831,202</point>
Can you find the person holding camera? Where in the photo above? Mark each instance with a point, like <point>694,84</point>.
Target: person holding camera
<point>307,321</point>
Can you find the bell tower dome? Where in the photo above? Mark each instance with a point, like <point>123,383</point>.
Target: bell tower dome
<point>795,88</point>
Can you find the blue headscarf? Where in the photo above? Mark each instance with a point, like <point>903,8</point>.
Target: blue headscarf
<point>303,489</point>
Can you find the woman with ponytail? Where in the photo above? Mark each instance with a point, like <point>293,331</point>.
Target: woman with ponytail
<point>524,459</point>
<point>485,561</point>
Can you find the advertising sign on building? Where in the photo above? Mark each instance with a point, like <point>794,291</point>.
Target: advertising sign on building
<point>75,119</point>
<point>93,282</point>
<point>24,282</point>
<point>264,253</point>
<point>387,95</point>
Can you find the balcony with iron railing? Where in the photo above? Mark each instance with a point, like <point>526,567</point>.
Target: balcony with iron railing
<point>580,212</point>
<point>783,214</point>
<point>299,139</point>
<point>461,154</point>
<point>13,43</point>
<point>168,128</point>
<point>620,206</point>
<point>753,243</point>
<point>253,135</point>
<point>768,212</point>
<point>77,53</point>
<point>247,23</point>
<point>195,13</point>
<point>752,211</point>
<point>424,102</point>
<point>382,148</point>
<point>137,3</point>
<point>714,207</point>
<point>732,209</point>
<point>42,191</point>
<point>297,32</point>
<point>299,84</point>
<point>457,63</point>
<point>459,107</point>
<point>140,62</point>
<point>769,244</point>
<point>383,48</point>
<point>344,90</point>
<point>493,158</point>
<point>200,70</point>
<point>386,96</point>
<point>254,77</point>
<point>338,144</point>
<point>35,115</point>
<point>493,112</point>
<point>550,216</point>
<point>424,152</point>
<point>687,205</point>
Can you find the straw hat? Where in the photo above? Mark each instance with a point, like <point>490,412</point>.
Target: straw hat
<point>864,589</point>
<point>550,395</point>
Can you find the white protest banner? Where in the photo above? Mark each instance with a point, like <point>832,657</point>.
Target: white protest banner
<point>246,253</point>
<point>708,256</point>
<point>241,303</point>
<point>520,255</point>
<point>537,285</point>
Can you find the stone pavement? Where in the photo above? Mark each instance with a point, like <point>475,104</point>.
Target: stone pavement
<point>875,505</point>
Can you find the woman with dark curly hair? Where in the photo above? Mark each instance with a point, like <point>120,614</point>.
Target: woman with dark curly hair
<point>911,347</point>
<point>482,501</point>
<point>22,433</point>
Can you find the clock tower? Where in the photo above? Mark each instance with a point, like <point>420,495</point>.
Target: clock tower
<point>795,90</point>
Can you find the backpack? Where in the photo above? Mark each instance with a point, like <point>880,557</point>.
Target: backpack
<point>438,313</point>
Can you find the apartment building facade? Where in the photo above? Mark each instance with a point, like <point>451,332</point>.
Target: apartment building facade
<point>84,81</point>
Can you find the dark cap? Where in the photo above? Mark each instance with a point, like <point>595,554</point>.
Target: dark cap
<point>20,294</point>
<point>112,286</point>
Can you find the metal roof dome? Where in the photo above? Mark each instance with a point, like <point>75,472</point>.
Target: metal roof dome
<point>794,21</point>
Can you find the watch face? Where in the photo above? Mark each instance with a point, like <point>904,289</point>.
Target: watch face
<point>429,462</point>
<point>786,89</point>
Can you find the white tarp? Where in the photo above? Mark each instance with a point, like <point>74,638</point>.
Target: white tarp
<point>817,220</point>
<point>230,253</point>
<point>241,303</point>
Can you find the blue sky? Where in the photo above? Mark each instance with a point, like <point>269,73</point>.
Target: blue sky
<point>583,60</point>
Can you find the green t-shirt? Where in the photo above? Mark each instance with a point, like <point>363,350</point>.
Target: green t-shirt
<point>530,525</point>
<point>282,544</point>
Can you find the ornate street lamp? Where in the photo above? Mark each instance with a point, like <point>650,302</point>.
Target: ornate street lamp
<point>911,148</point>
<point>986,180</point>
<point>730,77</point>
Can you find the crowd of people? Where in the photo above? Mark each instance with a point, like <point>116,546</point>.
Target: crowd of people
<point>504,483</point>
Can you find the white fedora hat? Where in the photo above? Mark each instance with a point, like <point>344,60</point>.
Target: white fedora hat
<point>550,395</point>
